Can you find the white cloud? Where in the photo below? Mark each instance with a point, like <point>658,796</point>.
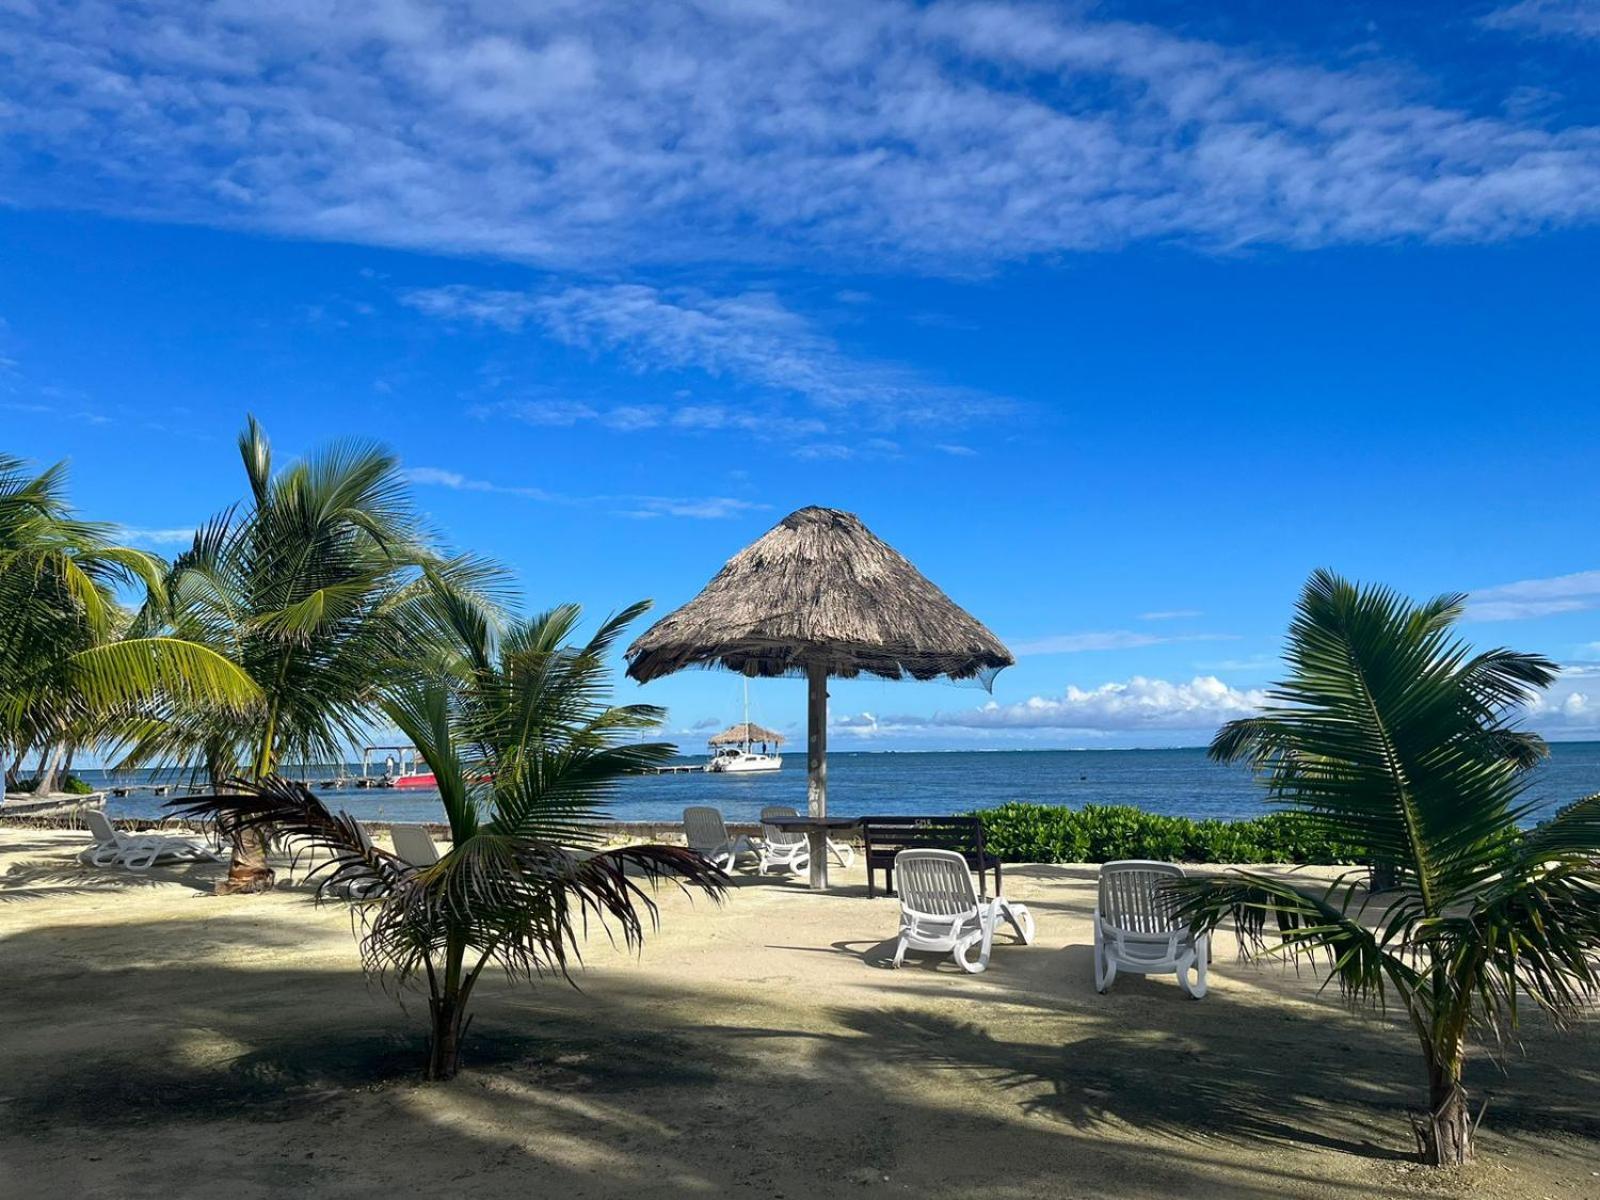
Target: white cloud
<point>943,135</point>
<point>1548,18</point>
<point>1171,614</point>
<point>1139,703</point>
<point>709,508</point>
<point>701,508</point>
<point>1113,639</point>
<point>1527,598</point>
<point>954,450</point>
<point>178,535</point>
<point>751,339</point>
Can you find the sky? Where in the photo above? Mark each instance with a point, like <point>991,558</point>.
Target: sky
<point>1117,319</point>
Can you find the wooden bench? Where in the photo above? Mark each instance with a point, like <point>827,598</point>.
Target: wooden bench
<point>884,837</point>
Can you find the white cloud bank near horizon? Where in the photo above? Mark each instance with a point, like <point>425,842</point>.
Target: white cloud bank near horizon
<point>1144,705</point>
<point>947,137</point>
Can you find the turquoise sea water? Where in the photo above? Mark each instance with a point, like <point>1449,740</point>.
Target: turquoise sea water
<point>1179,782</point>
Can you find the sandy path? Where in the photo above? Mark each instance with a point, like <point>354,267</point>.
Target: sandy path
<point>156,1041</point>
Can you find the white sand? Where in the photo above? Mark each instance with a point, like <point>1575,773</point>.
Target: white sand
<point>158,1041</point>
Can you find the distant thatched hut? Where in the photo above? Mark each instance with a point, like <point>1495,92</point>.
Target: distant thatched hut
<point>819,595</point>
<point>746,733</point>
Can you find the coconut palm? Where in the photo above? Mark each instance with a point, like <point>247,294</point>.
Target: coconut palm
<point>1391,733</point>
<point>526,750</point>
<point>319,589</point>
<point>70,665</point>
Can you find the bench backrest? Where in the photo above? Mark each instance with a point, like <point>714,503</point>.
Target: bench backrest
<point>890,835</point>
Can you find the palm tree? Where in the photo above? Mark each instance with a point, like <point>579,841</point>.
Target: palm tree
<point>70,666</point>
<point>1391,733</point>
<point>320,590</point>
<point>525,749</point>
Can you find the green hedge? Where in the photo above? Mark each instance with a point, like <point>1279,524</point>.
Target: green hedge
<point>1043,833</point>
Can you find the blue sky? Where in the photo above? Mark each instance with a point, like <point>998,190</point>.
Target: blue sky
<point>1116,320</point>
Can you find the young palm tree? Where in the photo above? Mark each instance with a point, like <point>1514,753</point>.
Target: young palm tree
<point>320,590</point>
<point>69,665</point>
<point>525,750</point>
<point>1391,733</point>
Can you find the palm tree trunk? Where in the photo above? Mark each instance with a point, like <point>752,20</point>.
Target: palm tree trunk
<point>45,783</point>
<point>248,871</point>
<point>447,1005</point>
<point>1445,1135</point>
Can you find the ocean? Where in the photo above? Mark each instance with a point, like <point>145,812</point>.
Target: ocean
<point>1181,782</point>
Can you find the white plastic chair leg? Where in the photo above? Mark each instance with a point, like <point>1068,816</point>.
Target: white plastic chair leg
<point>900,953</point>
<point>1196,962</point>
<point>1019,918</point>
<point>1105,970</point>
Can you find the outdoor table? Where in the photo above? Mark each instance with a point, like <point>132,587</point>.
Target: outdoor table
<point>816,831</point>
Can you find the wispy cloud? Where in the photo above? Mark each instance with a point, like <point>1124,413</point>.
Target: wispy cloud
<point>750,339</point>
<point>945,135</point>
<point>1171,614</point>
<point>1527,598</point>
<point>643,507</point>
<point>1114,639</point>
<point>1202,703</point>
<point>1548,18</point>
<point>177,536</point>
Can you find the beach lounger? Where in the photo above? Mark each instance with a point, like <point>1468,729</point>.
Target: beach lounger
<point>786,848</point>
<point>942,910</point>
<point>1134,929</point>
<point>138,851</point>
<point>784,843</point>
<point>414,844</point>
<point>704,830</point>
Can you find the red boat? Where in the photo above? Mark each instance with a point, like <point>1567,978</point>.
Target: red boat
<point>402,768</point>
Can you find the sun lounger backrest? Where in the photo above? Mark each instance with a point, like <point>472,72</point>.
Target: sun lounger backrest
<point>414,844</point>
<point>1131,896</point>
<point>703,828</point>
<point>100,826</point>
<point>774,835</point>
<point>935,882</point>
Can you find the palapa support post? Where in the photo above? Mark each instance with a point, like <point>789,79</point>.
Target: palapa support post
<point>817,768</point>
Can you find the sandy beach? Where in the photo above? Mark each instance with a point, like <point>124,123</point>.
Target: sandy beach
<point>160,1041</point>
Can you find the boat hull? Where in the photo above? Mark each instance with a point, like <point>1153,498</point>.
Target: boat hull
<point>745,765</point>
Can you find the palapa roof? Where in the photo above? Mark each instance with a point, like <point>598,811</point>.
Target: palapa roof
<point>820,588</point>
<point>745,732</point>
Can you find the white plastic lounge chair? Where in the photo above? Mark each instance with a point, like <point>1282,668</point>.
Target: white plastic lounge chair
<point>704,830</point>
<point>137,851</point>
<point>942,910</point>
<point>414,844</point>
<point>785,841</point>
<point>786,848</point>
<point>1134,929</point>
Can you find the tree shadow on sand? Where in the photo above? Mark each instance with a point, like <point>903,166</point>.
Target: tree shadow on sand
<point>639,1083</point>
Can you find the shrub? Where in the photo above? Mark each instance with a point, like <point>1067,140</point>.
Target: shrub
<point>1020,832</point>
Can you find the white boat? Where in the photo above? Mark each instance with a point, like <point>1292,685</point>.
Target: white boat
<point>733,750</point>
<point>732,760</point>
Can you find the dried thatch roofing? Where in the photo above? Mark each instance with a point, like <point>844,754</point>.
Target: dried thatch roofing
<point>745,732</point>
<point>819,588</point>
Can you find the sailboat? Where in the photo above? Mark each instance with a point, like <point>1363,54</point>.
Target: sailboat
<point>733,750</point>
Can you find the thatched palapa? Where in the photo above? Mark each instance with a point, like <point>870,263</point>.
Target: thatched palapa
<point>819,590</point>
<point>745,733</point>
<point>819,595</point>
